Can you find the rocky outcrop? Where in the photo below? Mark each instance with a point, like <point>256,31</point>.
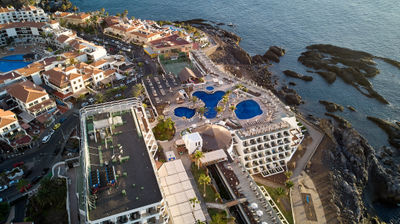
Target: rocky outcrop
<point>297,75</point>
<point>391,129</point>
<point>358,173</point>
<point>290,96</point>
<point>274,53</point>
<point>354,67</point>
<point>258,59</point>
<point>331,106</point>
<point>242,56</point>
<point>351,108</point>
<point>340,120</point>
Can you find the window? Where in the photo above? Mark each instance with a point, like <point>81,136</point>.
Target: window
<point>31,104</point>
<point>36,102</point>
<point>80,86</point>
<point>13,126</point>
<point>74,82</point>
<point>43,98</point>
<point>76,88</point>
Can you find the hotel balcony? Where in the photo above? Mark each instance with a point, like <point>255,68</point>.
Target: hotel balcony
<point>246,151</point>
<point>252,141</point>
<point>286,133</point>
<point>267,146</point>
<point>266,138</point>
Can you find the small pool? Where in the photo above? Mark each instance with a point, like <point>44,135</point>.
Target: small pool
<point>12,62</point>
<point>210,100</point>
<point>184,112</point>
<point>247,109</point>
<point>210,88</point>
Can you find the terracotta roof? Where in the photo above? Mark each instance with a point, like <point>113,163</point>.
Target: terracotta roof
<point>26,91</point>
<point>57,77</point>
<point>92,70</point>
<point>61,14</point>
<point>62,38</point>
<point>109,72</point>
<point>123,27</point>
<point>98,63</point>
<point>7,9</point>
<point>86,77</point>
<point>79,16</point>
<point>53,21</point>
<point>61,95</point>
<point>81,65</point>
<point>173,40</point>
<point>186,74</point>
<point>144,34</point>
<point>30,69</point>
<point>69,68</point>
<point>72,54</point>
<point>9,76</point>
<point>111,20</point>
<point>73,76</point>
<point>22,24</point>
<point>6,117</point>
<point>28,8</point>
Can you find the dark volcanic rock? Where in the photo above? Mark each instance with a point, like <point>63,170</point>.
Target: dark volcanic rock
<point>351,108</point>
<point>258,59</point>
<point>392,130</point>
<point>340,120</point>
<point>330,77</point>
<point>354,67</point>
<point>330,106</point>
<point>274,53</point>
<point>297,75</point>
<point>242,56</point>
<point>290,96</point>
<point>292,83</point>
<point>357,172</point>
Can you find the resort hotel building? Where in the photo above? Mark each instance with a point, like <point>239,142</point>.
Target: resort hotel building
<point>26,13</point>
<point>120,183</point>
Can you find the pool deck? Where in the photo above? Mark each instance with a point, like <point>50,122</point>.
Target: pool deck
<point>17,50</point>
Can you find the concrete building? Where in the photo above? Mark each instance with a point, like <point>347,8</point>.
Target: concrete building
<point>119,179</point>
<point>193,142</point>
<point>267,147</point>
<point>21,32</point>
<point>31,98</point>
<point>26,13</point>
<point>8,125</point>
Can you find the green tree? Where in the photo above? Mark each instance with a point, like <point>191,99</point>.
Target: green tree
<point>279,192</point>
<point>194,201</point>
<point>194,99</point>
<point>99,98</point>
<point>132,18</point>
<point>232,108</point>
<point>102,10</point>
<point>138,90</point>
<point>204,180</point>
<point>118,14</point>
<point>289,185</point>
<point>75,8</point>
<point>63,7</point>
<point>4,209</point>
<point>201,111</point>
<point>288,174</point>
<point>125,13</point>
<point>21,184</point>
<point>197,156</point>
<point>219,109</point>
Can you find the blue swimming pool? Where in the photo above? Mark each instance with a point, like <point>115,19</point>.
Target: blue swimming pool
<point>210,88</point>
<point>247,109</point>
<point>211,101</point>
<point>184,112</point>
<point>15,62</point>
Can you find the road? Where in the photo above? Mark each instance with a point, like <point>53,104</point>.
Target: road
<point>41,157</point>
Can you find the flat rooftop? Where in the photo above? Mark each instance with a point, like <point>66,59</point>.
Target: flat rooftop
<point>135,174</point>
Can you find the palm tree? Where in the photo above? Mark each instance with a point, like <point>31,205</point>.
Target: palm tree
<point>204,180</point>
<point>194,201</point>
<point>232,108</point>
<point>194,99</point>
<point>288,174</point>
<point>75,8</point>
<point>289,185</point>
<point>219,109</point>
<point>279,192</point>
<point>217,197</point>
<point>201,111</point>
<point>197,156</point>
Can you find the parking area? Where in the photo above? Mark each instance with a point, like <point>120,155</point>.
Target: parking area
<point>161,88</point>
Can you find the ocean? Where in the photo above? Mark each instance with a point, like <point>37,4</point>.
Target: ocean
<point>367,25</point>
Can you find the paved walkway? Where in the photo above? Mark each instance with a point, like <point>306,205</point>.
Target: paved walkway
<point>304,184</point>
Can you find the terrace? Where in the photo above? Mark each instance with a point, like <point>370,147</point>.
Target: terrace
<point>121,173</point>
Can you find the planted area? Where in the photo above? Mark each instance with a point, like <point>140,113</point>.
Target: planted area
<point>205,187</point>
<point>165,129</point>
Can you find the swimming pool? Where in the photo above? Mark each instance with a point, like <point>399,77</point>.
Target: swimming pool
<point>247,109</point>
<point>211,101</point>
<point>184,112</point>
<point>210,88</point>
<point>16,62</point>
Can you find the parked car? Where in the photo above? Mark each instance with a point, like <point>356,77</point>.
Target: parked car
<point>3,188</point>
<point>36,132</point>
<point>118,95</point>
<point>18,164</point>
<point>36,179</point>
<point>56,126</point>
<point>13,182</point>
<point>14,173</point>
<point>46,139</point>
<point>84,104</point>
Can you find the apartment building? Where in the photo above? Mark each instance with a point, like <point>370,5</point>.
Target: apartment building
<point>8,125</point>
<point>266,147</point>
<point>21,32</point>
<point>31,98</point>
<point>170,44</point>
<point>26,13</point>
<point>120,183</point>
<point>65,83</point>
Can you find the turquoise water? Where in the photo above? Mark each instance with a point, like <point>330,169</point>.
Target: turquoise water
<point>247,109</point>
<point>210,100</point>
<point>184,112</point>
<point>367,25</point>
<point>6,66</point>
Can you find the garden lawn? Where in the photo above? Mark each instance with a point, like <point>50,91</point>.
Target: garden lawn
<point>287,213</point>
<point>210,192</point>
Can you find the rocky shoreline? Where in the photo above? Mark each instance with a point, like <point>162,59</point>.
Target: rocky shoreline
<point>391,129</point>
<point>358,165</point>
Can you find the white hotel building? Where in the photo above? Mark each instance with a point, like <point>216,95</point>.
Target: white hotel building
<point>26,13</point>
